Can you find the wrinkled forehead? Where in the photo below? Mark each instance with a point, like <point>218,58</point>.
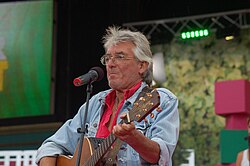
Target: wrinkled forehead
<point>125,47</point>
<point>113,43</point>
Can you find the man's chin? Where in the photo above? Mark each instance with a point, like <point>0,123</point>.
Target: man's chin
<point>114,85</point>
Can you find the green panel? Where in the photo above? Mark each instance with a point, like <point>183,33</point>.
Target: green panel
<point>23,141</point>
<point>26,48</point>
<point>231,142</point>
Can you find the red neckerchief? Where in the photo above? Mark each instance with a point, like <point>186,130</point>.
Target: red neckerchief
<point>103,130</point>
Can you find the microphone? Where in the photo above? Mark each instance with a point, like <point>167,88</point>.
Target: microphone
<point>94,74</point>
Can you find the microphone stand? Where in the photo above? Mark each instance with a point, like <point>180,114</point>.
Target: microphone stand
<point>84,128</point>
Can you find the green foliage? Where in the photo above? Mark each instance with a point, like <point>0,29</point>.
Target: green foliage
<point>192,68</point>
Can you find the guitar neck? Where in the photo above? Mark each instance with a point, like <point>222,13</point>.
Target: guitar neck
<point>101,150</point>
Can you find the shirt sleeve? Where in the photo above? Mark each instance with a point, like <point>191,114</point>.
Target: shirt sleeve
<point>64,141</point>
<point>165,127</point>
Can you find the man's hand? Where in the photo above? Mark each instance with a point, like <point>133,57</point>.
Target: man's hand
<point>149,150</point>
<point>124,131</point>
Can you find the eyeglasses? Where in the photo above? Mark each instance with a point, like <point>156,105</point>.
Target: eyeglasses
<point>117,58</point>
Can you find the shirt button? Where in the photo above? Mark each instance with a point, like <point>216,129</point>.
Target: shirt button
<point>95,125</point>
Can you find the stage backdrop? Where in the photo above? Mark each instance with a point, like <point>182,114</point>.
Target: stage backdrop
<point>192,69</point>
<point>25,58</point>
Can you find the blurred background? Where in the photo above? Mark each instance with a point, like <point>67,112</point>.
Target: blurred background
<point>201,53</point>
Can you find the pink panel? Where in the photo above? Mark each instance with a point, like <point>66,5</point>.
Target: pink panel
<point>236,122</point>
<point>247,97</point>
<point>232,97</point>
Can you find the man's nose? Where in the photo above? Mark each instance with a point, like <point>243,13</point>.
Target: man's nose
<point>111,61</point>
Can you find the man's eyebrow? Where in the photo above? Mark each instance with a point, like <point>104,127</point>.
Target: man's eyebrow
<point>119,52</point>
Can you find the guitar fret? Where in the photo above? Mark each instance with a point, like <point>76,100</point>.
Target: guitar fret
<point>98,154</point>
<point>104,147</point>
<point>109,141</point>
<point>94,158</point>
<point>93,161</point>
<point>100,150</point>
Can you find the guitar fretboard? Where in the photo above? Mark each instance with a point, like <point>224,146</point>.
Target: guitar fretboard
<point>101,150</point>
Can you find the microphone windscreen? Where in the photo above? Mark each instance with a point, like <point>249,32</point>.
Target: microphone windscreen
<point>99,71</point>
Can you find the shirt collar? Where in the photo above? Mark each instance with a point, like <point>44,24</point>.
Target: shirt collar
<point>127,94</point>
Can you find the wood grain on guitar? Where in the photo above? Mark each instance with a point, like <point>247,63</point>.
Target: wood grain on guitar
<point>145,103</point>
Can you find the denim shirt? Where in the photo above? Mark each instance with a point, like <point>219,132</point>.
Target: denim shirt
<point>163,128</point>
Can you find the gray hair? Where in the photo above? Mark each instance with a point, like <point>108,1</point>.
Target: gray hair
<point>142,52</point>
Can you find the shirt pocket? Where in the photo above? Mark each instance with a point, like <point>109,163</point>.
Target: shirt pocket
<point>92,129</point>
<point>128,156</point>
<point>142,126</point>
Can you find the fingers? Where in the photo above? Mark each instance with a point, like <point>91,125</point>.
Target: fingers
<point>128,127</point>
<point>123,129</point>
<point>123,115</point>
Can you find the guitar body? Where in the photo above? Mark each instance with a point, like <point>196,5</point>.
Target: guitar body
<point>87,151</point>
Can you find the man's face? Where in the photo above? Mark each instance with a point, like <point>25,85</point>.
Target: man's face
<point>123,73</point>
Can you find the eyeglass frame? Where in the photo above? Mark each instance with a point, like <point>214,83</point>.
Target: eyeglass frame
<point>116,58</point>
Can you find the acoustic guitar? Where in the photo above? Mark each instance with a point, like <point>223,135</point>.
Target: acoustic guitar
<point>94,149</point>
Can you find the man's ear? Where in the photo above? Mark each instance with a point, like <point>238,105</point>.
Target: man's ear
<point>143,67</point>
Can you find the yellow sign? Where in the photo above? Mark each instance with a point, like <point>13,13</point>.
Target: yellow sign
<point>3,66</point>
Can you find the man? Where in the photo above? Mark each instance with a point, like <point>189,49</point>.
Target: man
<point>128,61</point>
